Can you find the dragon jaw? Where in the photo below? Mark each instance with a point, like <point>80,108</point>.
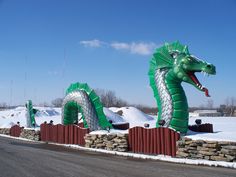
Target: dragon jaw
<point>188,66</point>
<point>196,82</point>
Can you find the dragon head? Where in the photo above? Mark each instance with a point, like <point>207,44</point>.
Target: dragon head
<point>183,65</point>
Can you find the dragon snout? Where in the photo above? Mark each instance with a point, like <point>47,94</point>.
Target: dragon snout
<point>209,66</point>
<point>210,69</point>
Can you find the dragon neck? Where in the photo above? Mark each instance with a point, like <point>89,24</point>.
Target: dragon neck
<point>172,102</point>
<point>79,100</point>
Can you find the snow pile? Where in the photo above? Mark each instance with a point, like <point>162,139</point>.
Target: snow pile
<point>134,116</point>
<point>115,118</point>
<point>47,112</point>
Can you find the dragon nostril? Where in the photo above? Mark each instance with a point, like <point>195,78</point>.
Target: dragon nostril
<point>209,66</point>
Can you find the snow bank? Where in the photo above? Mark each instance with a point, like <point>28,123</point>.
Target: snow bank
<point>224,129</point>
<point>134,116</point>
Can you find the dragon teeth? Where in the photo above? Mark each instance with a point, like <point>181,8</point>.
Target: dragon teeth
<point>205,73</point>
<point>200,86</point>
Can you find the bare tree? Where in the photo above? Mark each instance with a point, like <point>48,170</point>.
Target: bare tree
<point>201,106</point>
<point>3,105</point>
<point>109,98</point>
<point>57,102</point>
<point>147,109</point>
<point>210,104</point>
<point>44,104</point>
<point>121,103</point>
<point>230,103</point>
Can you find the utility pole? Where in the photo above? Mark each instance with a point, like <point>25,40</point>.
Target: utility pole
<point>11,85</point>
<point>25,79</point>
<point>63,72</point>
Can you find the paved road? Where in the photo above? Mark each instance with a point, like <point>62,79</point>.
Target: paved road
<point>27,159</point>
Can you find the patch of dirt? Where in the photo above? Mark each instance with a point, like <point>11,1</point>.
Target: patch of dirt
<point>120,113</point>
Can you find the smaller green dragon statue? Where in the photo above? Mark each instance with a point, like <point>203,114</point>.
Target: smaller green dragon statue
<point>30,114</point>
<point>172,64</point>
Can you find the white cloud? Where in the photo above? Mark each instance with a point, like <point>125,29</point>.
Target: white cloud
<point>92,43</point>
<point>140,48</point>
<point>143,48</point>
<point>120,46</point>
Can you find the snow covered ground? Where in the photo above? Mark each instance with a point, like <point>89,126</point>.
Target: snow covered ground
<point>12,116</point>
<point>224,127</point>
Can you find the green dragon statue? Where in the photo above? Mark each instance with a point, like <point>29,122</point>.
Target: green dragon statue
<point>171,64</point>
<point>80,98</point>
<point>30,114</point>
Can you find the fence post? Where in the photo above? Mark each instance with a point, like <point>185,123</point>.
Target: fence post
<point>66,134</point>
<point>61,133</point>
<point>173,144</point>
<point>152,140</point>
<point>75,134</point>
<point>54,133</point>
<point>167,141</point>
<point>15,131</point>
<point>133,139</point>
<point>42,132</point>
<point>130,139</point>
<point>162,140</point>
<point>140,140</point>
<point>71,131</point>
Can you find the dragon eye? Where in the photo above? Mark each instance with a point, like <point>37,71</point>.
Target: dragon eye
<point>174,55</point>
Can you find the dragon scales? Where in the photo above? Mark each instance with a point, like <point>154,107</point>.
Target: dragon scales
<point>80,98</point>
<point>172,64</point>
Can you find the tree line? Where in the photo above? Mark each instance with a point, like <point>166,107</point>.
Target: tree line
<point>110,99</point>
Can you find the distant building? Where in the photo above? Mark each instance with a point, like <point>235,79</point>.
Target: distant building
<point>205,113</point>
<point>234,114</point>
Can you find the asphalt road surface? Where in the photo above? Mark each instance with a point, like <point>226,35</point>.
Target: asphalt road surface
<point>27,159</point>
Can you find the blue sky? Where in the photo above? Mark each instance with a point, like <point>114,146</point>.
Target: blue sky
<point>47,44</point>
